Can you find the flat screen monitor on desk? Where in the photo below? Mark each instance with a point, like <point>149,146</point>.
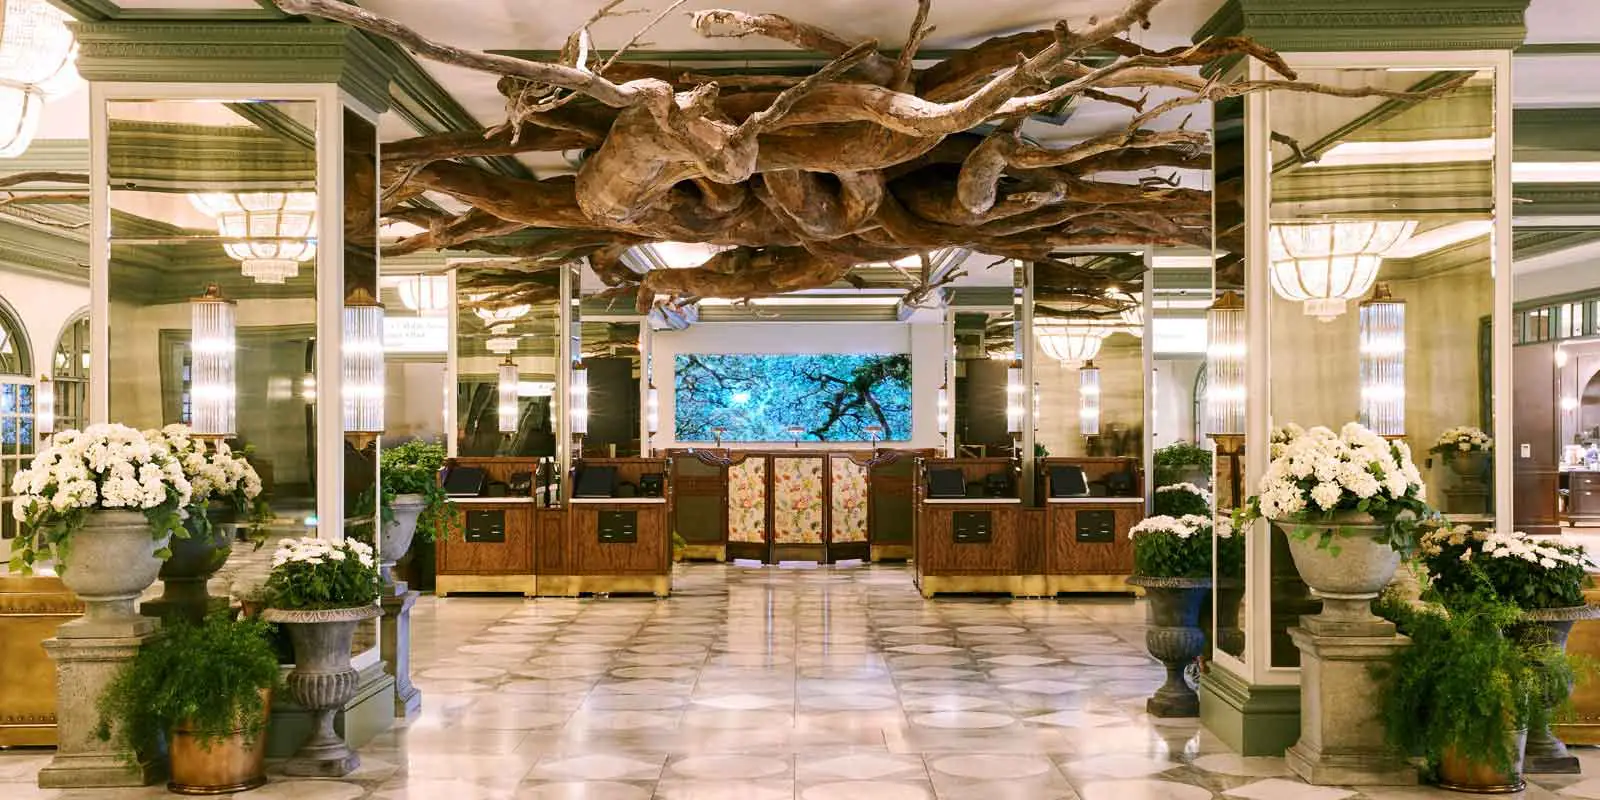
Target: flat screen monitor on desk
<point>946,484</point>
<point>596,482</point>
<point>1068,481</point>
<point>464,482</point>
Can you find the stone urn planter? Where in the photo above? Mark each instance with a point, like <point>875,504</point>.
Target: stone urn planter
<point>397,536</point>
<point>1547,754</point>
<point>1471,464</point>
<point>194,560</point>
<point>1174,638</point>
<point>1229,598</point>
<point>111,561</point>
<point>322,681</point>
<point>1463,775</point>
<point>1350,580</point>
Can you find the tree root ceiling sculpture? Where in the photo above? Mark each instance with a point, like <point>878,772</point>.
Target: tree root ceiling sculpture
<point>866,159</point>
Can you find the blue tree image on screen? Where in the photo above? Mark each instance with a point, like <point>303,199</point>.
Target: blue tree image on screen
<point>759,398</point>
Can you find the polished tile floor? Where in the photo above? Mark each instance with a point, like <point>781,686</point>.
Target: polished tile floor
<point>769,684</point>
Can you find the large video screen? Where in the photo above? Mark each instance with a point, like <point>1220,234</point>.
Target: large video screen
<point>762,398</point>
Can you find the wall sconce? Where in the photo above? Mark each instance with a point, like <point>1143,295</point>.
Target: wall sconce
<point>509,405</point>
<point>1568,403</point>
<point>1015,409</point>
<point>308,389</point>
<point>580,399</point>
<point>944,411</point>
<point>1225,353</point>
<point>211,345</point>
<point>1089,399</point>
<point>652,411</point>
<point>1561,357</point>
<point>362,385</point>
<point>795,432</point>
<point>44,406</point>
<point>1383,362</point>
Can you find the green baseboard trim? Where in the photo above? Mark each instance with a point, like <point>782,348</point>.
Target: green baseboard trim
<point>1253,719</point>
<point>368,714</point>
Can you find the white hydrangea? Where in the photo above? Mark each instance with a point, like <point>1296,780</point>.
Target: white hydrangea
<point>102,466</point>
<point>1318,470</point>
<point>1182,527</point>
<point>1463,439</point>
<point>213,469</point>
<point>311,550</point>
<point>1185,487</point>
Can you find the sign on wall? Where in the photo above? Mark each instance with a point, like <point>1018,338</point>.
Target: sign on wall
<point>416,335</point>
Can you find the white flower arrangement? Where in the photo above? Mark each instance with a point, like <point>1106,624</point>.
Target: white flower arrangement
<point>1281,436</point>
<point>1531,572</point>
<point>215,472</point>
<point>316,573</point>
<point>1463,439</point>
<point>106,466</point>
<point>1185,487</point>
<point>1319,473</point>
<point>1182,527</point>
<point>311,550</point>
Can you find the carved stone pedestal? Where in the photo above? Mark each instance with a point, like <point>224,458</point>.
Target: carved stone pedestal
<point>1467,498</point>
<point>1341,737</point>
<point>395,648</point>
<point>84,667</point>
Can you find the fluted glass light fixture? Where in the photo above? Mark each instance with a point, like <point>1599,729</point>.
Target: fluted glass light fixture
<point>1089,399</point>
<point>37,63</point>
<point>580,398</point>
<point>428,295</point>
<point>652,411</point>
<point>1225,353</point>
<point>509,408</point>
<point>1383,362</point>
<point>1327,264</point>
<point>944,410</point>
<point>211,369</point>
<point>269,233</point>
<point>362,361</point>
<point>1016,403</point>
<point>1071,342</point>
<point>44,406</point>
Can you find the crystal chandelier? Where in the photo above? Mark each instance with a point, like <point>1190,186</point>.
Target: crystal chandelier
<point>1383,363</point>
<point>1327,264</point>
<point>362,359</point>
<point>1132,314</point>
<point>1089,399</point>
<point>269,233</point>
<point>1225,381</point>
<point>211,386</point>
<point>501,315</point>
<point>37,63</point>
<point>509,408</point>
<point>1071,342</point>
<point>428,295</point>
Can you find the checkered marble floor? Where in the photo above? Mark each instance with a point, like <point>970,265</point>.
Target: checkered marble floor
<point>769,684</point>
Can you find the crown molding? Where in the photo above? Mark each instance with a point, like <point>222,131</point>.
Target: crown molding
<point>1307,26</point>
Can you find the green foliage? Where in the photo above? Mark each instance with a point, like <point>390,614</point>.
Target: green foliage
<point>1173,501</point>
<point>413,468</point>
<point>1167,547</point>
<point>1463,684</point>
<point>205,677</point>
<point>679,545</point>
<point>316,573</point>
<point>1230,555</point>
<point>1183,454</point>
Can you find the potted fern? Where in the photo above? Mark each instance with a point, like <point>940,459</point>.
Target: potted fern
<point>1182,462</point>
<point>1172,563</point>
<point>205,690</point>
<point>413,502</point>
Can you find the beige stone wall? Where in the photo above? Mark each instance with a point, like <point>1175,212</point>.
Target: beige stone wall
<point>1121,364</point>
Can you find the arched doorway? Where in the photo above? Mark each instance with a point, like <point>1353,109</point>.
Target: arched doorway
<point>16,409</point>
<point>70,373</point>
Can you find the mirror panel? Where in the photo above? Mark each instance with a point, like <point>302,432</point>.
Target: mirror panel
<point>508,347</point>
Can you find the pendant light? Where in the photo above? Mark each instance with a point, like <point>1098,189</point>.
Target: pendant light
<point>509,408</point>
<point>38,58</point>
<point>579,391</point>
<point>428,295</point>
<point>1383,362</point>
<point>211,369</point>
<point>44,406</point>
<point>1327,264</point>
<point>1071,342</point>
<point>943,418</point>
<point>1015,408</point>
<point>1225,352</point>
<point>652,411</point>
<point>1089,399</point>
<point>363,367</point>
<point>269,233</point>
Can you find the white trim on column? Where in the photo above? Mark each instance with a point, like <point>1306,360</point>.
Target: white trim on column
<point>99,256</point>
<point>1500,379</point>
<point>330,314</point>
<point>452,377</point>
<point>1258,386</point>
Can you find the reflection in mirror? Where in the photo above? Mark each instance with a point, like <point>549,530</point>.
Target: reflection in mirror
<point>363,376</point>
<point>608,345</point>
<point>416,343</point>
<point>508,336</point>
<point>1382,277</point>
<point>204,194</point>
<point>984,352</point>
<point>1219,388</point>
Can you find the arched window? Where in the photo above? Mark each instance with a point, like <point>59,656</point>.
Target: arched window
<point>16,409</point>
<point>71,374</point>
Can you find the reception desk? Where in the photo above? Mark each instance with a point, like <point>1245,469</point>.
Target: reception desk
<point>30,611</point>
<point>598,545</point>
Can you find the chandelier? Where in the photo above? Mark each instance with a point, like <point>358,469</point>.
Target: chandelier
<point>1071,342</point>
<point>1327,264</point>
<point>268,233</point>
<point>1132,314</point>
<point>425,294</point>
<point>37,63</point>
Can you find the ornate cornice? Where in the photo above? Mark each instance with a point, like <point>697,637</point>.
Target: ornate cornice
<point>1368,25</point>
<point>235,52</point>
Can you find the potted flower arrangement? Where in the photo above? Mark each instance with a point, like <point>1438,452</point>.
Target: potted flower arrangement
<point>102,503</point>
<point>205,689</point>
<point>1463,694</point>
<point>320,590</point>
<point>224,490</point>
<point>1172,563</point>
<point>1349,503</point>
<point>1182,499</point>
<point>1182,462</point>
<point>1465,448</point>
<point>413,501</point>
<point>1544,578</point>
<point>1280,437</point>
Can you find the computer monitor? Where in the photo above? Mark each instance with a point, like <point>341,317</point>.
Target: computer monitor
<point>464,482</point>
<point>1068,481</point>
<point>946,484</point>
<point>596,482</point>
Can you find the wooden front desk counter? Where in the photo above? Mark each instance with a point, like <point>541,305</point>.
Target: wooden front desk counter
<point>511,544</point>
<point>978,546</point>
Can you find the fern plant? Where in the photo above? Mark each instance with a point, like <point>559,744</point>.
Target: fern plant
<point>206,678</point>
<point>413,468</point>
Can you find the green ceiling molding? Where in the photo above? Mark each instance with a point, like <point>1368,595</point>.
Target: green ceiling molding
<point>107,9</point>
<point>1388,189</point>
<point>1556,134</point>
<point>235,52</point>
<point>1305,26</point>
<point>1556,199</point>
<point>182,157</point>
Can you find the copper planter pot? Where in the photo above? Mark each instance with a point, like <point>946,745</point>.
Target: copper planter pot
<point>1459,774</point>
<point>232,764</point>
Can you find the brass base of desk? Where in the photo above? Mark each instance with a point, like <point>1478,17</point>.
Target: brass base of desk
<point>30,611</point>
<point>891,552</point>
<point>1090,584</point>
<point>575,585</point>
<point>1014,585</point>
<point>1583,732</point>
<point>705,552</point>
<point>525,585</point>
